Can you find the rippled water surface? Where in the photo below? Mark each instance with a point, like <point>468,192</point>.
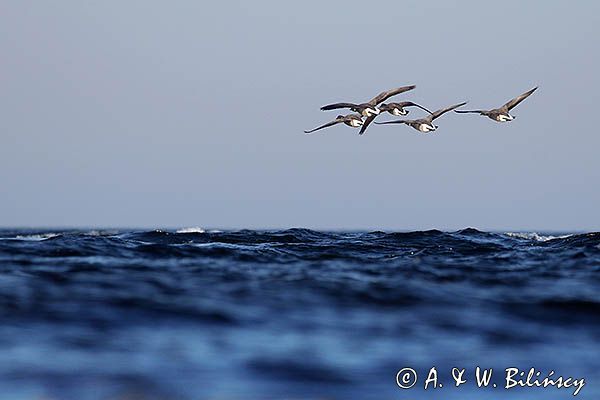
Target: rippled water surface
<point>292,314</point>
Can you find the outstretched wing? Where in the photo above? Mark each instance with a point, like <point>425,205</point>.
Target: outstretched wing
<point>383,96</point>
<point>366,124</point>
<point>411,104</point>
<point>327,125</point>
<point>335,106</point>
<point>469,111</point>
<point>439,113</point>
<point>513,103</point>
<point>398,121</point>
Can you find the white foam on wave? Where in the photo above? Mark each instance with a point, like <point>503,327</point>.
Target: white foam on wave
<point>190,230</point>
<point>236,246</point>
<point>534,236</point>
<point>37,237</point>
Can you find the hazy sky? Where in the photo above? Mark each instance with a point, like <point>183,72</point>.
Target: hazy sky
<point>190,113</point>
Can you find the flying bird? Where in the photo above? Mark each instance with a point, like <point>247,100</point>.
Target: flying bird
<point>502,114</point>
<point>352,120</point>
<point>369,108</point>
<point>424,125</point>
<point>392,108</point>
<point>399,108</point>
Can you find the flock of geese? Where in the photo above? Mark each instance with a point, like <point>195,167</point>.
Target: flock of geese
<point>365,113</point>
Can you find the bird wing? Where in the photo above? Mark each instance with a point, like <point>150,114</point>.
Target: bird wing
<point>469,111</point>
<point>383,96</point>
<point>366,124</point>
<point>327,125</point>
<point>398,121</point>
<point>411,104</point>
<point>439,113</point>
<point>513,103</point>
<point>338,105</point>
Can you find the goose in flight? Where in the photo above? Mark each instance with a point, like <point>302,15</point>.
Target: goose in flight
<point>399,108</point>
<point>424,125</point>
<point>369,108</point>
<point>502,114</point>
<point>392,108</point>
<point>352,120</point>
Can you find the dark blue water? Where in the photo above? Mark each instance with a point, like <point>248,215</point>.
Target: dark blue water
<point>293,314</point>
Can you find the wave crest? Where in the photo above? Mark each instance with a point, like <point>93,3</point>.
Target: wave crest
<point>195,229</point>
<point>535,236</point>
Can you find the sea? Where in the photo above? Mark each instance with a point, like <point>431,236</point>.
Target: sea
<point>298,314</point>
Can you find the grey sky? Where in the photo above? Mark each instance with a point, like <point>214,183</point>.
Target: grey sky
<point>190,113</point>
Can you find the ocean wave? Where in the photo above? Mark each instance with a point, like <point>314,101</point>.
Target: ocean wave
<point>190,230</point>
<point>535,236</point>
<point>38,237</point>
<point>296,309</point>
<point>101,232</point>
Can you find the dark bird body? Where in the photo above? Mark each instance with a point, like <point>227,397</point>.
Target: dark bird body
<point>501,114</point>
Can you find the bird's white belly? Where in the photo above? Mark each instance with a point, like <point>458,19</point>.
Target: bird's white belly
<point>504,118</point>
<point>371,111</point>
<point>355,123</point>
<point>426,128</point>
